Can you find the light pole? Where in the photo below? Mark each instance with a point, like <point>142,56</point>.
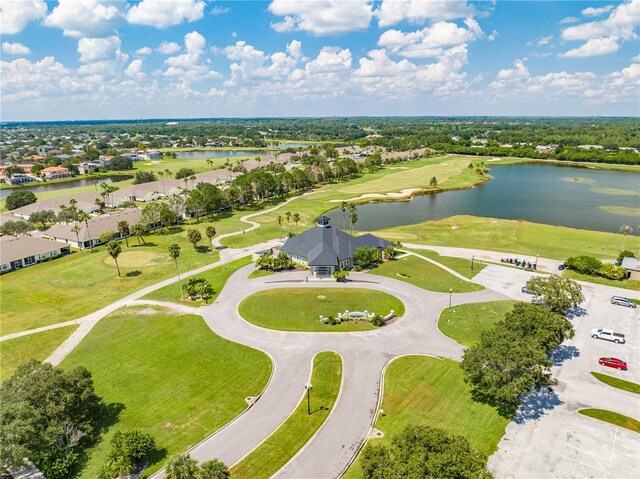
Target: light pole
<point>450,291</point>
<point>536,261</point>
<point>472,258</point>
<point>308,387</point>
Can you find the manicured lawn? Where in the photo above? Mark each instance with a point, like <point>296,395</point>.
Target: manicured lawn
<point>511,236</point>
<point>296,431</point>
<point>259,273</point>
<point>217,277</point>
<point>613,418</point>
<point>617,383</point>
<point>299,309</point>
<point>35,346</point>
<point>169,375</point>
<point>71,287</point>
<point>423,274</point>
<point>431,391</point>
<point>465,322</point>
<point>631,284</point>
<point>459,265</point>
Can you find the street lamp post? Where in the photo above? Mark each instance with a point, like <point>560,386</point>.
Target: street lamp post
<point>308,387</point>
<point>536,261</point>
<point>472,258</point>
<point>450,291</point>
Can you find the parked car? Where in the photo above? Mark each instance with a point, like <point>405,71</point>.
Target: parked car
<point>562,266</point>
<point>608,334</point>
<point>526,290</point>
<point>613,363</point>
<point>622,301</point>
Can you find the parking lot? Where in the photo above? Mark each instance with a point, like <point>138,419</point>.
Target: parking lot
<point>557,441</point>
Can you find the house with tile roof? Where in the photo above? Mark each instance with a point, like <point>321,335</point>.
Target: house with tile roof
<point>325,249</point>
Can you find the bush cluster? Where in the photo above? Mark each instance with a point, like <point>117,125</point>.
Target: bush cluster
<point>275,263</point>
<point>594,267</point>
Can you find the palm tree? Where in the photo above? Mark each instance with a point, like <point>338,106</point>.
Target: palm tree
<point>210,232</point>
<point>76,230</point>
<point>625,230</point>
<point>352,211</point>
<point>164,188</point>
<point>94,182</point>
<point>343,206</point>
<point>280,224</point>
<point>354,219</point>
<point>174,252</point>
<point>288,216</point>
<point>84,216</point>
<point>114,249</point>
<point>182,466</point>
<point>139,229</point>
<point>296,218</point>
<point>124,230</point>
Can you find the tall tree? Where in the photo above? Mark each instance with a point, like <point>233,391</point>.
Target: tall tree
<point>194,237</point>
<point>114,249</point>
<point>343,207</point>
<point>296,219</point>
<point>125,230</point>
<point>85,217</point>
<point>139,229</point>
<point>353,217</point>
<point>210,232</point>
<point>625,230</point>
<point>76,229</point>
<point>174,252</point>
<point>556,292</point>
<point>288,216</point>
<point>279,219</point>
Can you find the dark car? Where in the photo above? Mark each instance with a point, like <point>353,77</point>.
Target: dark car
<point>562,266</point>
<point>613,363</point>
<point>526,290</point>
<point>622,301</point>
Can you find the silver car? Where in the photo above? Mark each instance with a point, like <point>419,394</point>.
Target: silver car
<point>621,301</point>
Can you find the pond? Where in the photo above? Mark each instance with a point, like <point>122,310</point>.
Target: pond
<point>284,146</point>
<point>191,155</point>
<point>581,198</point>
<point>40,187</point>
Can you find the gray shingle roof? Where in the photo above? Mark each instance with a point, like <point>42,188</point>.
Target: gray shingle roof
<point>12,249</point>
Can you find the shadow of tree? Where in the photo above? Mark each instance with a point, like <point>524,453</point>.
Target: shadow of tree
<point>507,411</point>
<point>133,274</point>
<point>576,312</point>
<point>203,249</point>
<point>563,353</point>
<point>535,404</point>
<point>148,244</point>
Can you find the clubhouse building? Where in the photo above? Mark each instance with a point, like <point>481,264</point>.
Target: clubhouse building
<point>325,249</point>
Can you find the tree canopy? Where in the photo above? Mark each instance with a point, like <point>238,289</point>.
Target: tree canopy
<point>556,292</point>
<point>20,198</point>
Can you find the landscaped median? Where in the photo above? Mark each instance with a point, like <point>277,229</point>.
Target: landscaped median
<point>299,428</point>
<point>422,390</point>
<point>612,418</point>
<point>168,375</point>
<point>299,309</point>
<point>617,383</point>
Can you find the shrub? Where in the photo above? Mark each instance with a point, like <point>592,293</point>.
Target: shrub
<point>624,254</point>
<point>377,321</point>
<point>331,320</point>
<point>18,199</point>
<point>611,271</point>
<point>128,450</point>
<point>584,264</point>
<point>341,275</point>
<point>144,177</point>
<point>184,173</point>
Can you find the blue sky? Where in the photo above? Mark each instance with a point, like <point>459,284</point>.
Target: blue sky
<point>100,59</point>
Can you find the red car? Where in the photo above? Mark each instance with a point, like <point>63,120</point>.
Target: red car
<point>613,363</point>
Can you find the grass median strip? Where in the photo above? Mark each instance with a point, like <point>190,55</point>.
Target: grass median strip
<point>613,418</point>
<point>617,383</point>
<point>464,323</point>
<point>296,431</point>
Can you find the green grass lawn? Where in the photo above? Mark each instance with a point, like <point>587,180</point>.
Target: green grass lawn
<point>631,284</point>
<point>423,274</point>
<point>511,236</point>
<point>259,273</point>
<point>171,376</point>
<point>217,277</point>
<point>35,346</point>
<point>296,431</point>
<point>617,383</point>
<point>71,287</point>
<point>431,391</point>
<point>465,322</point>
<point>459,265</point>
<point>299,309</point>
<point>612,418</point>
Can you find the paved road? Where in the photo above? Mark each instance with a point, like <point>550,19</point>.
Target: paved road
<point>549,439</point>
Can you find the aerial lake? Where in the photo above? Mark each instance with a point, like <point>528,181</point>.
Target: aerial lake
<point>40,187</point>
<point>190,155</point>
<point>581,198</point>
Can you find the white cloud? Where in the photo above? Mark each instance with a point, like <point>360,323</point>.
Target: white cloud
<point>216,93</point>
<point>520,71</point>
<point>494,35</point>
<point>567,20</point>
<point>144,51</point>
<point>218,10</point>
<point>322,17</point>
<point>15,49</point>
<point>594,47</point>
<point>391,12</point>
<point>135,69</point>
<point>23,79</point>
<point>97,49</point>
<point>594,12</point>
<point>16,14</point>
<point>636,58</point>
<point>430,41</point>
<point>167,48</point>
<point>84,18</point>
<point>165,13</point>
<point>190,66</point>
<point>544,41</point>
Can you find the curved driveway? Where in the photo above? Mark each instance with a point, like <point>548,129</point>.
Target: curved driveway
<point>364,354</point>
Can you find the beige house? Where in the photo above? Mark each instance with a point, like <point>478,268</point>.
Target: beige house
<point>23,251</point>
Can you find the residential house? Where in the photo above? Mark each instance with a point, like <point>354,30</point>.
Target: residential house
<point>25,251</point>
<point>633,267</point>
<point>55,172</point>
